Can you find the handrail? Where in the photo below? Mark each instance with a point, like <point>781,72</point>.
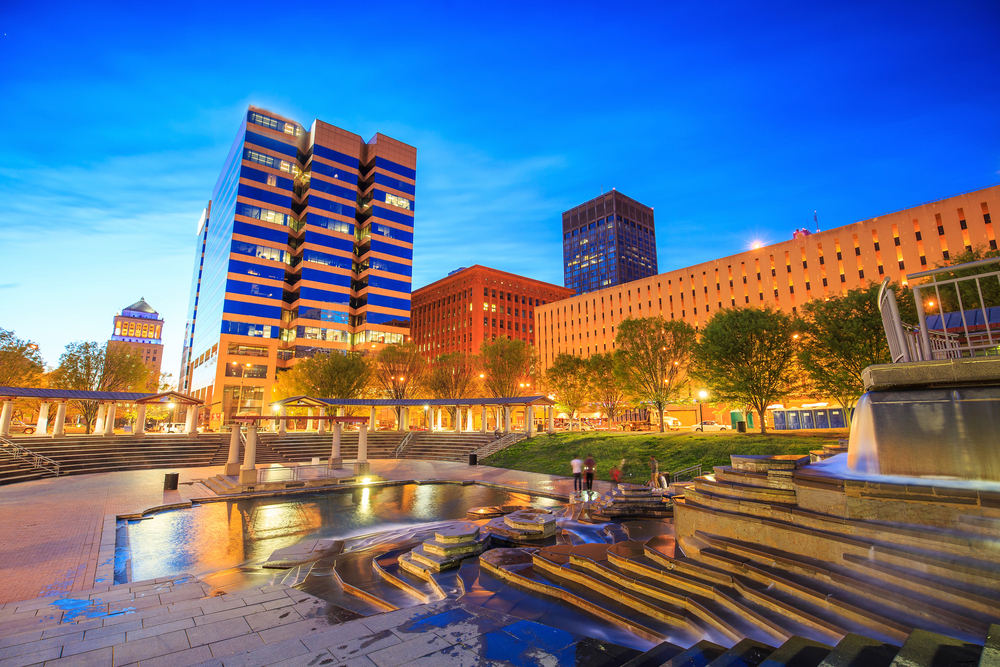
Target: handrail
<point>38,461</point>
<point>503,442</point>
<point>402,444</point>
<point>952,269</point>
<point>295,473</point>
<point>687,474</point>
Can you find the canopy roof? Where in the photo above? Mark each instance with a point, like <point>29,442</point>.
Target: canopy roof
<point>309,401</point>
<point>83,395</point>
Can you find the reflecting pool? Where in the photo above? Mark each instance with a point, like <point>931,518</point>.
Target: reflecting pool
<point>220,535</point>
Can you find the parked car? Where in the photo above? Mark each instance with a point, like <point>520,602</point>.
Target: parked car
<point>709,426</point>
<point>174,427</point>
<point>672,423</point>
<point>18,426</point>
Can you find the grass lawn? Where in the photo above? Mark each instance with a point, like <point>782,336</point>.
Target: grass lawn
<point>552,453</point>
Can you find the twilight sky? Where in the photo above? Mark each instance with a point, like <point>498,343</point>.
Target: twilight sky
<point>735,121</point>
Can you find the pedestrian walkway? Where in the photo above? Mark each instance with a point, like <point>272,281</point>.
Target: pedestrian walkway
<point>51,530</point>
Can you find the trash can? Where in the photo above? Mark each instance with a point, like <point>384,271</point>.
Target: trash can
<point>170,481</point>
<point>741,426</point>
<point>473,459</point>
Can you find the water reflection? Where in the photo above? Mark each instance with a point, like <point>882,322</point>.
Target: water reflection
<point>222,535</point>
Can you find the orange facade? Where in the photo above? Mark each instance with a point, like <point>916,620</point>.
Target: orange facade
<point>140,328</point>
<point>475,304</point>
<point>784,275</point>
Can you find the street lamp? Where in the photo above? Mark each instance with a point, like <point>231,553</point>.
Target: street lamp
<point>702,395</point>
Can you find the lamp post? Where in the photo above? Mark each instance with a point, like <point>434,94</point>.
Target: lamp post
<point>702,395</point>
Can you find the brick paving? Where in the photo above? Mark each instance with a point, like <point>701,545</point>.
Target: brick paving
<point>51,529</point>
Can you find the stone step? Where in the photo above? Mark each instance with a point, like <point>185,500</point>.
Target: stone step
<point>864,600</point>
<point>928,649</point>
<point>746,653</point>
<point>661,654</point>
<point>745,491</point>
<point>699,655</point>
<point>798,652</point>
<point>860,651</point>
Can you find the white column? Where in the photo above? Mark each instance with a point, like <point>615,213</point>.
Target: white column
<point>310,423</point>
<point>506,419</point>
<point>109,420</point>
<point>439,419</point>
<point>551,414</point>
<point>529,420</point>
<point>458,419</point>
<point>321,427</point>
<point>6,414</point>
<point>363,444</point>
<point>336,460</point>
<point>233,462</point>
<point>189,422</point>
<point>371,419</point>
<point>59,428</point>
<point>140,420</point>
<point>482,427</point>
<point>42,426</point>
<point>472,423</point>
<point>283,423</point>
<point>248,474</point>
<point>99,426</point>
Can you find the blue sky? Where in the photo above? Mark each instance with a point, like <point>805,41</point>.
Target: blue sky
<point>735,121</point>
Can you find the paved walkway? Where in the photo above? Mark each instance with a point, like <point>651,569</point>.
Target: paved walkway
<point>51,529</point>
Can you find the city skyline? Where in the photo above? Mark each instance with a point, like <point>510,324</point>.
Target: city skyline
<point>739,137</point>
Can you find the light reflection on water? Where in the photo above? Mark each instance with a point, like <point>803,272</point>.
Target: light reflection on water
<point>222,535</point>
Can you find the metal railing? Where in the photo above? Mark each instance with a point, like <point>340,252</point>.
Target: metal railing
<point>402,444</point>
<point>37,460</point>
<point>687,474</point>
<point>295,473</point>
<point>971,330</point>
<point>495,446</point>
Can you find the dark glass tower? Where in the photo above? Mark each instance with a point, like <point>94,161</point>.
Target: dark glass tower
<point>607,241</point>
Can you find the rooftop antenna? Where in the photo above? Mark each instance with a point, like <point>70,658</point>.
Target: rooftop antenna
<point>816,220</point>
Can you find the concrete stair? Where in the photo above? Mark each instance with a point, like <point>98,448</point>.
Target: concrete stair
<point>443,446</point>
<point>298,447</point>
<point>82,454</point>
<point>16,469</point>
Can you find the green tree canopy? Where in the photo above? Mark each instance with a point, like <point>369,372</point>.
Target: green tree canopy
<point>745,356</point>
<point>655,354</point>
<point>93,366</point>
<point>608,383</point>
<point>332,375</point>
<point>399,371</point>
<point>967,290</point>
<point>842,336</point>
<point>453,375</point>
<point>507,366</point>
<point>568,378</point>
<point>20,362</point>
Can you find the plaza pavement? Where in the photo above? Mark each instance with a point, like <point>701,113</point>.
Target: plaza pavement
<point>51,530</point>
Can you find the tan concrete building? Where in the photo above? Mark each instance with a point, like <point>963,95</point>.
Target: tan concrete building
<point>141,328</point>
<point>785,275</point>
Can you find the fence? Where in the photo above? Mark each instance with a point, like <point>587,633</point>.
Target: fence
<point>971,330</point>
<point>37,460</point>
<point>687,474</point>
<point>295,474</point>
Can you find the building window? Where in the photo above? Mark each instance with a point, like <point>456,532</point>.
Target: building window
<point>861,274</point>
<point>272,179</point>
<point>963,224</point>
<point>945,254</point>
<point>940,230</point>
<point>825,283</point>
<point>923,261</point>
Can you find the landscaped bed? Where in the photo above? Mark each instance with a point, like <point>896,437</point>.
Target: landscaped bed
<point>551,454</point>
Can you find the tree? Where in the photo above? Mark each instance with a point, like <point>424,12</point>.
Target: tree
<point>89,366</point>
<point>507,367</point>
<point>654,354</point>
<point>568,379</point>
<point>607,381</point>
<point>454,375</point>
<point>842,336</point>
<point>21,364</point>
<point>745,356</point>
<point>399,371</point>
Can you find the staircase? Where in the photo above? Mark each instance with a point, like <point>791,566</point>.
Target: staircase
<point>444,446</point>
<point>82,454</point>
<point>15,468</point>
<point>299,447</point>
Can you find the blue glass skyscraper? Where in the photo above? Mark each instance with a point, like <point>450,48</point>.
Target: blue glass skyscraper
<point>607,241</point>
<point>306,247</point>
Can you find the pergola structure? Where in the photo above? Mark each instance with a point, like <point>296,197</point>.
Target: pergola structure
<point>462,423</point>
<point>106,412</point>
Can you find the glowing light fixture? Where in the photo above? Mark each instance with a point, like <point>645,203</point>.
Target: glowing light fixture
<point>703,394</point>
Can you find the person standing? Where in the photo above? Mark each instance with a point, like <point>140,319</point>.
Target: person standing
<point>577,465</point>
<point>654,472</point>
<point>589,466</point>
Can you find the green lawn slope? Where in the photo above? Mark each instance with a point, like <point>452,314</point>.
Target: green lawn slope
<point>551,454</point>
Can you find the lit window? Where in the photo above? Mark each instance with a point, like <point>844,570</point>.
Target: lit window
<point>401,202</point>
<point>272,179</point>
<point>285,166</point>
<point>289,128</point>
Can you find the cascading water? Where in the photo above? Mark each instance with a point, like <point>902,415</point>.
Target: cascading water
<point>862,450</point>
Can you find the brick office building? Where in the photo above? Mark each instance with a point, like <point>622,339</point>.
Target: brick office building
<point>785,275</point>
<point>474,304</point>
